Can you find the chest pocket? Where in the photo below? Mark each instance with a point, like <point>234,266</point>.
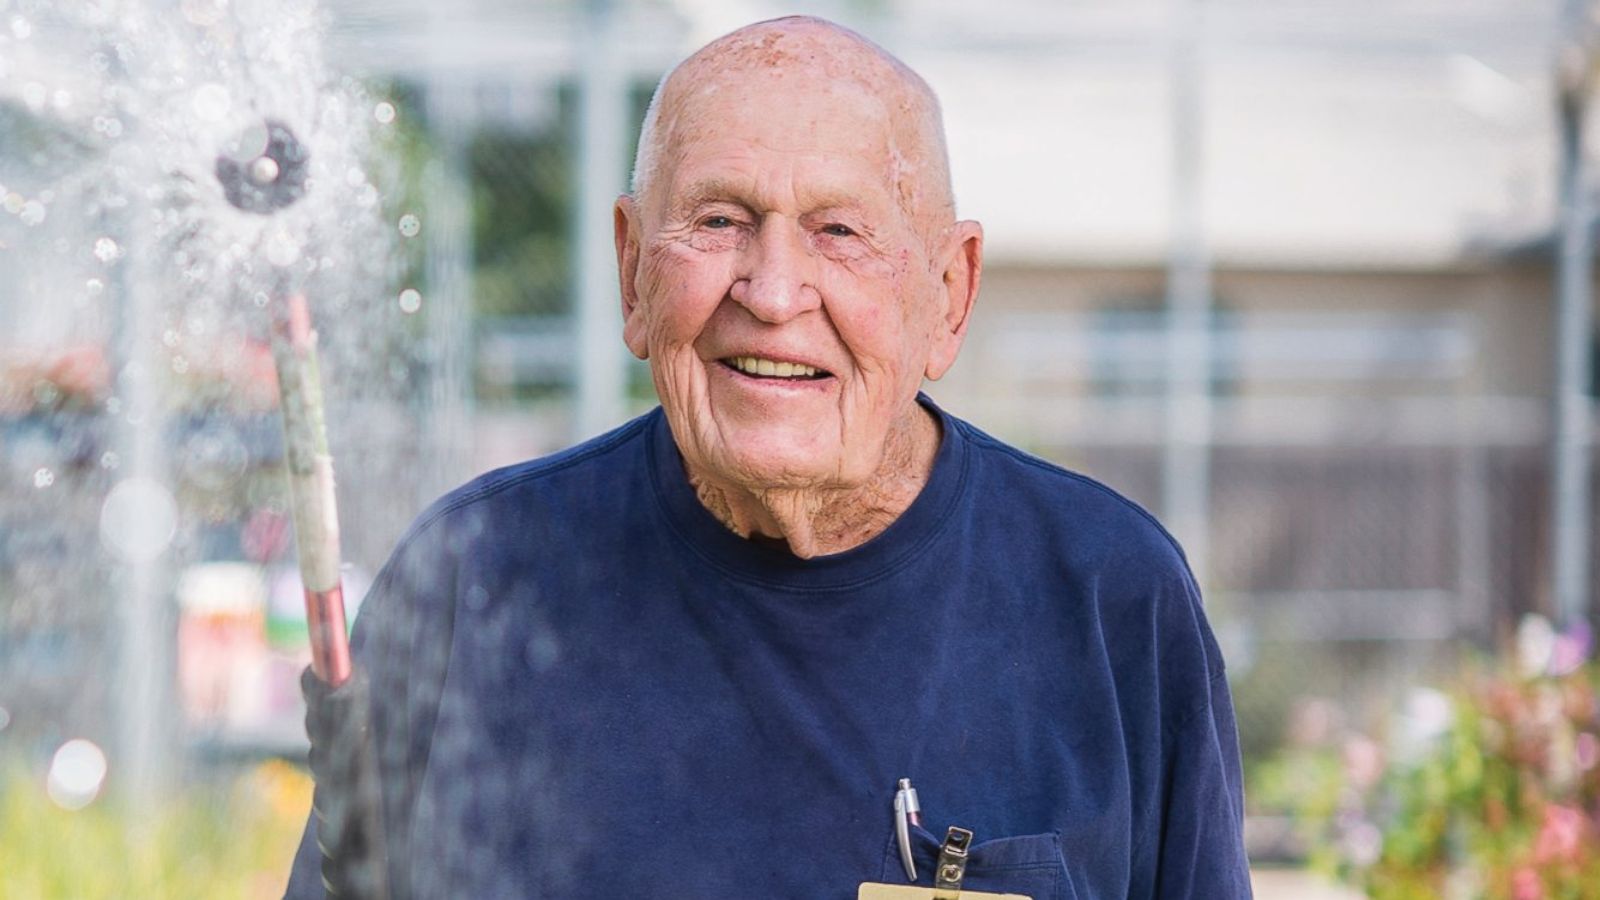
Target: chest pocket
<point>1028,864</point>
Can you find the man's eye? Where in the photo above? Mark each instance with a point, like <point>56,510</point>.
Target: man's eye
<point>717,222</point>
<point>837,230</point>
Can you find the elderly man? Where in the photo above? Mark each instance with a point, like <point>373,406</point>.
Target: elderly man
<point>696,656</point>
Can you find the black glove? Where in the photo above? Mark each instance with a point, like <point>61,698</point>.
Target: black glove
<point>347,802</point>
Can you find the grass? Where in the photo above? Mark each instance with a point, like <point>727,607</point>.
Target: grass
<point>229,839</point>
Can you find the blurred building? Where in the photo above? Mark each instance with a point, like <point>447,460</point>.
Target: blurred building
<point>1375,192</point>
<point>1372,186</point>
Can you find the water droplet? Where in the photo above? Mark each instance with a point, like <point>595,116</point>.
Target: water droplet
<point>32,213</point>
<point>211,102</point>
<point>214,458</point>
<point>367,196</point>
<point>61,99</point>
<point>282,249</point>
<point>109,459</point>
<point>263,170</point>
<point>170,337</point>
<point>13,203</point>
<point>410,225</point>
<point>543,651</point>
<point>113,127</point>
<point>383,112</point>
<point>106,250</point>
<point>21,28</point>
<point>138,520</point>
<point>100,63</point>
<point>180,365</point>
<point>77,771</point>
<point>202,12</point>
<point>94,286</point>
<point>43,478</point>
<point>259,299</point>
<point>410,300</point>
<point>34,94</point>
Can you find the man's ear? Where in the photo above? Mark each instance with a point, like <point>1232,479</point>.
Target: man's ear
<point>963,269</point>
<point>625,231</point>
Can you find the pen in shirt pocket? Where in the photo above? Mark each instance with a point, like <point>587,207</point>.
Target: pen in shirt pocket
<point>907,812</point>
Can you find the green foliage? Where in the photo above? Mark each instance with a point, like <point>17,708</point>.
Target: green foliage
<point>521,197</point>
<point>229,840</point>
<point>399,159</point>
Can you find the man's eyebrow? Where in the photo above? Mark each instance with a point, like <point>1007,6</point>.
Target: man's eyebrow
<point>710,190</point>
<point>716,189</point>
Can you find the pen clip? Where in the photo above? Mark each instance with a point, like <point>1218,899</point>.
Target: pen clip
<point>907,812</point>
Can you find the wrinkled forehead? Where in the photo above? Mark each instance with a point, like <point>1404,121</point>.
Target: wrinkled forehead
<point>783,110</point>
<point>844,103</point>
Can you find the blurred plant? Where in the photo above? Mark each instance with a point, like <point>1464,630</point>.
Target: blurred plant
<point>229,839</point>
<point>1491,789</point>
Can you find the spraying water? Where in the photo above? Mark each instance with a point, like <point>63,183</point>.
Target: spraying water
<point>152,95</point>
<point>166,170</point>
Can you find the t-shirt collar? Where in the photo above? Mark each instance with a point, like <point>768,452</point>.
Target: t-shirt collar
<point>773,566</point>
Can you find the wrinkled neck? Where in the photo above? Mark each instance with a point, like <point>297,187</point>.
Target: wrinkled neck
<point>826,520</point>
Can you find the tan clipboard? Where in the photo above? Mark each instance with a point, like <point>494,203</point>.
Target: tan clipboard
<point>872,890</point>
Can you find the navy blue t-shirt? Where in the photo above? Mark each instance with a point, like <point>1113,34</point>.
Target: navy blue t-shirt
<point>585,686</point>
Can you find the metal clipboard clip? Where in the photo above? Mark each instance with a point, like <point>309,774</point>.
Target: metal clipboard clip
<point>952,865</point>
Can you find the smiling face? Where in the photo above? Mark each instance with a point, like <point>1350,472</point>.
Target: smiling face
<point>784,281</point>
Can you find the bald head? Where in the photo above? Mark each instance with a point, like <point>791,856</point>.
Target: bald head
<point>791,267</point>
<point>795,53</point>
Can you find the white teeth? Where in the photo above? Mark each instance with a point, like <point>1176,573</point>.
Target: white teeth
<point>754,365</point>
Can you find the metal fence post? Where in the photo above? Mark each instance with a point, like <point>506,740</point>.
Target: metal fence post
<point>1186,456</point>
<point>601,397</point>
<point>1571,505</point>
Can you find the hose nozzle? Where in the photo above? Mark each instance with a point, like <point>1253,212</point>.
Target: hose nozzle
<point>264,170</point>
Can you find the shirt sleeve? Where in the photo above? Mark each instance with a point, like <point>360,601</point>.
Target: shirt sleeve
<point>1202,837</point>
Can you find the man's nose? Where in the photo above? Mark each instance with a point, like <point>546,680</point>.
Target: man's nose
<point>775,279</point>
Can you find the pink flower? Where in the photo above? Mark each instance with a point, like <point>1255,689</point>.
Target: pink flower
<point>1525,885</point>
<point>1363,762</point>
<point>1561,835</point>
<point>1570,649</point>
<point>1588,747</point>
